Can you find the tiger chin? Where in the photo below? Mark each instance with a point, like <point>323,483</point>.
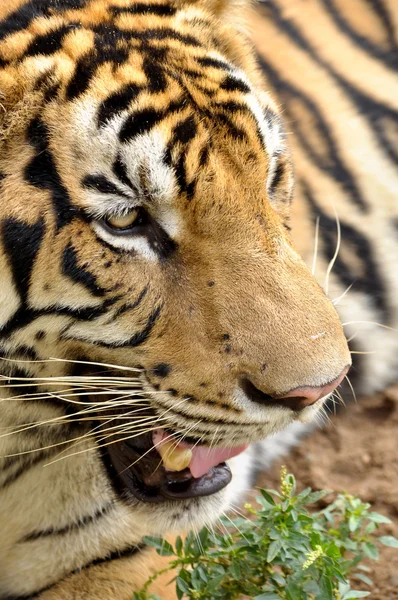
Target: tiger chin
<point>150,293</point>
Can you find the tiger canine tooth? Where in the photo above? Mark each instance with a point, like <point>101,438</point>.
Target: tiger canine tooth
<point>174,457</point>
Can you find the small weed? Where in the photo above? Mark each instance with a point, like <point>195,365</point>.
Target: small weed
<point>282,552</point>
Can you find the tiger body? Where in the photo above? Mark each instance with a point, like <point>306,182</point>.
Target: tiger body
<point>155,112</point>
<point>343,55</point>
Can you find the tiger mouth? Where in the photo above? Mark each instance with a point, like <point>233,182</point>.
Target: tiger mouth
<point>137,468</point>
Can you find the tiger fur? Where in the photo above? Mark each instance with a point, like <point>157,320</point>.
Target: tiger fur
<point>202,310</point>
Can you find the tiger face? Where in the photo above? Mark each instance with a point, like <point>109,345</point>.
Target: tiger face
<point>144,224</point>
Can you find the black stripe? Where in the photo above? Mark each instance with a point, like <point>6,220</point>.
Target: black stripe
<point>21,243</point>
<point>206,61</point>
<point>79,274</point>
<point>374,112</point>
<point>277,177</point>
<point>42,173</point>
<point>140,122</point>
<point>29,461</point>
<point>22,351</point>
<point>185,131</point>
<point>131,305</point>
<point>329,160</point>
<point>209,421</point>
<point>366,279</point>
<point>120,170</point>
<point>24,315</point>
<point>85,68</point>
<point>34,596</point>
<point>117,102</point>
<point>70,528</point>
<point>50,42</point>
<point>236,132</point>
<point>110,33</point>
<point>137,338</point>
<point>126,553</point>
<point>15,374</point>
<point>160,10</point>
<point>87,65</point>
<point>154,72</point>
<point>231,84</point>
<point>21,18</point>
<point>389,57</point>
<point>102,184</point>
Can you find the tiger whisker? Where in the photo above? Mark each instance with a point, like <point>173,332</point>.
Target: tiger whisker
<point>315,246</point>
<point>340,397</point>
<point>65,419</point>
<point>335,301</point>
<point>370,323</point>
<point>334,257</point>
<point>48,447</point>
<point>66,360</point>
<point>236,527</point>
<point>351,388</point>
<point>354,335</point>
<point>98,364</point>
<point>99,446</point>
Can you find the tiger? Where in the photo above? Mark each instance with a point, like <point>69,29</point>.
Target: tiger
<point>151,293</point>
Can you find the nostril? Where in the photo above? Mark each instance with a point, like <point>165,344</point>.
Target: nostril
<point>297,398</point>
<point>295,402</point>
<point>255,394</point>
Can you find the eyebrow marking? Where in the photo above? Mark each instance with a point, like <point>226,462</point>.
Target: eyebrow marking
<point>102,184</point>
<point>119,169</point>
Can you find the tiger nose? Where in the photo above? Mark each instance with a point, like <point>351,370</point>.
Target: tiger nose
<point>297,398</point>
<point>301,397</point>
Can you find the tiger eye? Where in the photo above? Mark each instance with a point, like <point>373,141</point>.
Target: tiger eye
<point>123,221</point>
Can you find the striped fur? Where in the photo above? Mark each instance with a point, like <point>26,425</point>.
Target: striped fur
<point>114,106</point>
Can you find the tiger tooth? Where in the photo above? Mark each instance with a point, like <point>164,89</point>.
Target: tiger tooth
<point>174,457</point>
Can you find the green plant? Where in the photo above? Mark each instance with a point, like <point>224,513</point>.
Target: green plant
<point>283,551</point>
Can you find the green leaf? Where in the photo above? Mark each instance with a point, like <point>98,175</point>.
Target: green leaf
<point>163,547</point>
<point>182,585</point>
<point>273,550</point>
<point>363,578</point>
<point>353,523</point>
<point>267,596</point>
<point>370,528</point>
<point>316,496</point>
<point>326,587</point>
<point>179,545</point>
<point>388,540</point>
<point>302,495</point>
<point>214,583</point>
<point>355,594</point>
<point>267,497</point>
<point>377,518</point>
<point>333,551</point>
<point>370,550</point>
<point>235,570</point>
<point>311,587</point>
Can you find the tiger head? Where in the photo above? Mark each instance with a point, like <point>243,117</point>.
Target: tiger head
<point>144,211</point>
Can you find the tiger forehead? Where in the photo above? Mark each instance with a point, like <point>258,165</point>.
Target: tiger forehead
<point>157,145</point>
<point>148,96</point>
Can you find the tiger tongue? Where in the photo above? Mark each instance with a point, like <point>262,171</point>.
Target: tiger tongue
<point>203,458</point>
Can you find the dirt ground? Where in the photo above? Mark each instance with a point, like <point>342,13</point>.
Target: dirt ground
<point>358,453</point>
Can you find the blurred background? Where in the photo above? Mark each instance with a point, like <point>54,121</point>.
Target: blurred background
<point>333,67</point>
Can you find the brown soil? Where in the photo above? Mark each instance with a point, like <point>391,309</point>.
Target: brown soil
<point>358,453</point>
